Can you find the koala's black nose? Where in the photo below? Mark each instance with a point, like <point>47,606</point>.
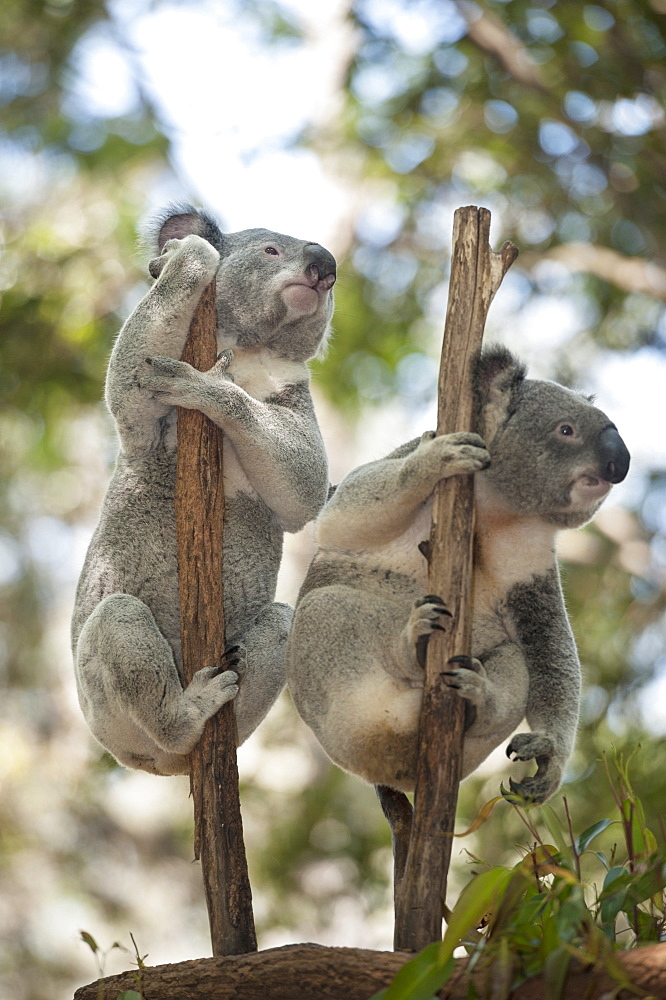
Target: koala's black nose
<point>614,456</point>
<point>320,264</point>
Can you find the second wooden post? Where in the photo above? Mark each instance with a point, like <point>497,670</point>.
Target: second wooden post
<point>476,274</point>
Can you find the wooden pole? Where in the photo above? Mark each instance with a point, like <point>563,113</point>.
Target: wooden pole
<point>199,502</point>
<point>476,274</point>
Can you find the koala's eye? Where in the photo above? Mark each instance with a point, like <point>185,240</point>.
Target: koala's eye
<point>272,251</point>
<point>566,430</point>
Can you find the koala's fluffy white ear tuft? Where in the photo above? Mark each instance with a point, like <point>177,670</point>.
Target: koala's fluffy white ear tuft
<point>498,375</point>
<point>177,221</point>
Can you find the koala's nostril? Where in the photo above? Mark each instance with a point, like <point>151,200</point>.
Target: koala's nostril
<point>320,263</point>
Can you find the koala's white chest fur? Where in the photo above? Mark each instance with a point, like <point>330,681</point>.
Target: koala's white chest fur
<point>261,372</point>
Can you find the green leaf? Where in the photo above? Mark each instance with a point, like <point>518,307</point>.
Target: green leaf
<point>477,898</point>
<point>420,978</point>
<point>647,884</point>
<point>129,995</point>
<point>612,905</point>
<point>587,836</point>
<point>613,874</point>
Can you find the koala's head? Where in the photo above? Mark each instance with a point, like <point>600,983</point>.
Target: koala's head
<point>272,290</point>
<point>553,453</point>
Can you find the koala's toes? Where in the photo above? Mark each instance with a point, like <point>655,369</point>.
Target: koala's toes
<point>468,677</point>
<point>468,438</point>
<point>533,790</point>
<point>427,615</point>
<point>527,746</point>
<point>468,663</point>
<point>430,609</point>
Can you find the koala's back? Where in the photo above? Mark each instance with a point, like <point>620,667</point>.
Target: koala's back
<point>134,551</point>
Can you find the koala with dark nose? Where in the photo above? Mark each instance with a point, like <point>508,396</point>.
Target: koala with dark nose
<point>356,651</point>
<point>274,304</point>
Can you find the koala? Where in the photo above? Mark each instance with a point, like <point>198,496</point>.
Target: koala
<point>545,461</point>
<point>274,303</point>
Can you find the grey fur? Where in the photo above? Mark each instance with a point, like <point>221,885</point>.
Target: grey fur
<point>355,652</point>
<point>274,304</point>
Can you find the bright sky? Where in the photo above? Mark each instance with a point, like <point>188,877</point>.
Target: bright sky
<point>230,106</point>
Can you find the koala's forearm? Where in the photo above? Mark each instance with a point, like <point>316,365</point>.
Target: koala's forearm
<point>537,609</point>
<point>373,505</point>
<point>280,450</point>
<point>380,501</point>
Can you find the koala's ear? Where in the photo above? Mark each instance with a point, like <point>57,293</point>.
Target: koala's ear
<point>498,376</point>
<point>177,221</point>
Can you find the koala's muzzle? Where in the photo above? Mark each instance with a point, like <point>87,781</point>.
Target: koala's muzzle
<point>320,265</point>
<point>613,455</point>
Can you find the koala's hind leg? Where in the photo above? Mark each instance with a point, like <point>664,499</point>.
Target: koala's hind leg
<point>263,673</point>
<point>131,693</point>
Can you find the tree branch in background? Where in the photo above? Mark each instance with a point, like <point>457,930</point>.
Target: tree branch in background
<point>631,274</point>
<point>491,35</point>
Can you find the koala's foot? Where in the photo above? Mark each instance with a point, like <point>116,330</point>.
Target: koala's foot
<point>469,677</point>
<point>212,687</point>
<point>428,615</point>
<point>470,680</point>
<point>540,747</point>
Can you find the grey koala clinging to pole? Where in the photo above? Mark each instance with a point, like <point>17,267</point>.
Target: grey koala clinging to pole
<point>274,303</point>
<point>357,646</point>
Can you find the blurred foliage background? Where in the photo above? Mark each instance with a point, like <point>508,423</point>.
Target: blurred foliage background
<point>549,114</point>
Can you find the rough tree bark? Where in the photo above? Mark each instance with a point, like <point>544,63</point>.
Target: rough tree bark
<point>476,274</point>
<point>199,501</point>
<point>312,972</point>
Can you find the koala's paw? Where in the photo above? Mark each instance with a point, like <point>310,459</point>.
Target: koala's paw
<point>210,688</point>
<point>540,747</point>
<point>193,255</point>
<point>459,453</point>
<point>172,382</point>
<point>428,615</point>
<point>469,678</point>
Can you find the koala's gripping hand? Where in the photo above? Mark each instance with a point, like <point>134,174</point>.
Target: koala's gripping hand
<point>440,456</point>
<point>550,765</point>
<point>190,261</point>
<point>176,383</point>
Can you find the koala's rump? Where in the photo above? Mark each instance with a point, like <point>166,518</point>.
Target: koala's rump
<point>345,678</point>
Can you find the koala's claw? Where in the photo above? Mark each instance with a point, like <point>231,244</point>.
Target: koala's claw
<point>533,790</point>
<point>528,746</point>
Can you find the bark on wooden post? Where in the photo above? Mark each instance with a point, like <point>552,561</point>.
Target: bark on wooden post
<point>199,501</point>
<point>476,274</point>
